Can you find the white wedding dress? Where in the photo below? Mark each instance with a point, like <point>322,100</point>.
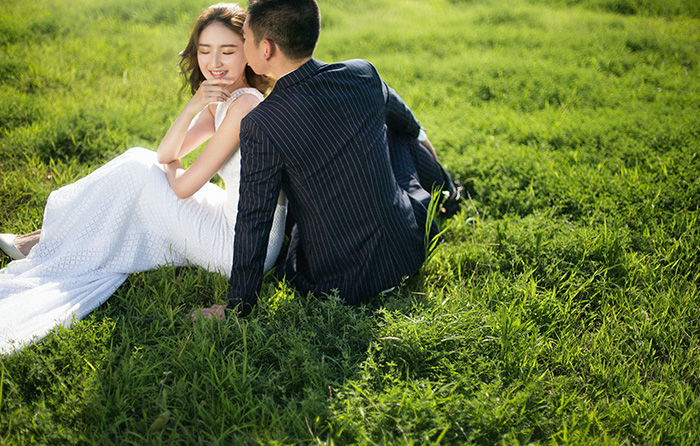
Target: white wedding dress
<point>121,219</point>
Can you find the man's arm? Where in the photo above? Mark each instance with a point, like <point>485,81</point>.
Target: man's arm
<point>261,175</point>
<point>398,116</point>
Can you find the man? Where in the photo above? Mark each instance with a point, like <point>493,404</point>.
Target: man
<point>343,147</point>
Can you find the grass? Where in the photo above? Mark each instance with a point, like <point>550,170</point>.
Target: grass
<point>561,308</point>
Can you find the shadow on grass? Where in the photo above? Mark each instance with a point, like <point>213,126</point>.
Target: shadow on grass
<point>138,371</point>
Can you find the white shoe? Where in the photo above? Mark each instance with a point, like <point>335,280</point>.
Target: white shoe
<point>7,245</point>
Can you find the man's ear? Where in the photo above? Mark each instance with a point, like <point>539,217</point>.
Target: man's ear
<point>269,48</point>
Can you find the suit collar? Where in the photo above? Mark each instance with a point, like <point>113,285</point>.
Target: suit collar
<point>300,74</point>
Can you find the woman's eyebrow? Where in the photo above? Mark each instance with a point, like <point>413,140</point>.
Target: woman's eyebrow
<point>224,45</point>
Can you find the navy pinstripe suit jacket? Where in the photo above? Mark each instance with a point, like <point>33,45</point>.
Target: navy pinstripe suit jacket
<point>320,136</point>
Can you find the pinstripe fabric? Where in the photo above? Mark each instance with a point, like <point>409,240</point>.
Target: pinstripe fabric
<point>321,137</point>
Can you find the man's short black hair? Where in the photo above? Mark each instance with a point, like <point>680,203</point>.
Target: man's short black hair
<point>294,25</point>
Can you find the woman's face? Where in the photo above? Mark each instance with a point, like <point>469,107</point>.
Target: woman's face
<point>220,54</point>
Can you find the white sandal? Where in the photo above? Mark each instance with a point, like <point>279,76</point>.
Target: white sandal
<point>7,245</point>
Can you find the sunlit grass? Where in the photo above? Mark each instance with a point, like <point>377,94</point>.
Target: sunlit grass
<point>561,307</point>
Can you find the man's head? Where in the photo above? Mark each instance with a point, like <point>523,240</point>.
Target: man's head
<point>292,26</point>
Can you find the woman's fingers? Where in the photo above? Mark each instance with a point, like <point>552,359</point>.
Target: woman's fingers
<point>215,90</point>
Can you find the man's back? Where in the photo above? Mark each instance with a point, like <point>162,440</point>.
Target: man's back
<point>321,136</point>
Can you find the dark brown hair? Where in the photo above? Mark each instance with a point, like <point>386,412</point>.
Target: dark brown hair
<point>233,17</point>
<point>293,25</point>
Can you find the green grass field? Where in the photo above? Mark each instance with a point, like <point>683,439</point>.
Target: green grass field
<point>562,308</point>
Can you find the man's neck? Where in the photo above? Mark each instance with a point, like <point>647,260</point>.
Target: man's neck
<point>284,67</point>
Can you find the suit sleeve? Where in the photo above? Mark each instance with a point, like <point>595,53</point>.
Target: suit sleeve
<point>398,116</point>
<point>261,173</point>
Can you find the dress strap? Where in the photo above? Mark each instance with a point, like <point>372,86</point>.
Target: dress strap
<point>248,90</point>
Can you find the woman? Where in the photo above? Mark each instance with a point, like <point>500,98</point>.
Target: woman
<point>142,209</point>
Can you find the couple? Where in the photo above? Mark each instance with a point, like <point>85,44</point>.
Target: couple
<point>332,151</point>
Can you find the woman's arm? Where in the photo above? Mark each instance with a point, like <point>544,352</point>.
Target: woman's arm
<point>220,147</point>
<point>195,124</point>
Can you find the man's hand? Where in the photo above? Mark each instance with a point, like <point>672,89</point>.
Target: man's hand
<point>213,312</point>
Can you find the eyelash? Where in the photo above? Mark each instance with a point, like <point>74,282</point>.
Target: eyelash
<point>225,54</point>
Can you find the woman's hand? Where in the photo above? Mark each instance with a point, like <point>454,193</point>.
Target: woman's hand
<point>171,170</point>
<point>211,90</point>
<point>429,147</point>
<point>192,128</point>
